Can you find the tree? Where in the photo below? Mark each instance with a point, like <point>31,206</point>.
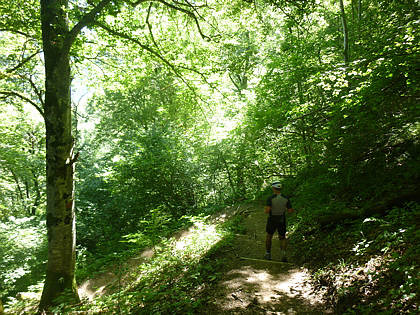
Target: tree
<point>57,39</point>
<point>22,161</point>
<point>62,22</point>
<point>345,33</point>
<point>351,122</point>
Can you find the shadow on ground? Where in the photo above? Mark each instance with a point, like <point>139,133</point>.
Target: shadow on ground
<point>258,286</point>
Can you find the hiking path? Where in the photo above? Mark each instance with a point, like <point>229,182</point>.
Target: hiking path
<point>258,286</point>
<point>244,286</point>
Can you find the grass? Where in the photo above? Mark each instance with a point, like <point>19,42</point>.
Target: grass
<point>361,266</point>
<point>174,278</point>
<point>172,281</point>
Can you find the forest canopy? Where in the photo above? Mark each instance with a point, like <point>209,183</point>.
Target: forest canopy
<point>119,117</point>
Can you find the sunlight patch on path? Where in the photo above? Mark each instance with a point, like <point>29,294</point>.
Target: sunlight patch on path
<point>186,245</point>
<point>200,233</point>
<point>266,288</point>
<point>256,286</point>
<point>92,288</point>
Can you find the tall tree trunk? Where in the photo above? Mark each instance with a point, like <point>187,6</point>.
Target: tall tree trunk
<point>19,189</point>
<point>37,192</point>
<point>345,33</point>
<point>28,195</point>
<point>359,18</point>
<point>228,174</point>
<point>60,276</point>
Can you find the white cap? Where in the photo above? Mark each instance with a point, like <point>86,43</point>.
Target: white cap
<point>276,185</point>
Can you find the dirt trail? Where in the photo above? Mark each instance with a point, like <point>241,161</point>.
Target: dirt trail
<point>260,287</point>
<point>246,286</point>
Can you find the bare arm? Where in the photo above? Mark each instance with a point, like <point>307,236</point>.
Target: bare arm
<point>289,207</point>
<point>267,209</point>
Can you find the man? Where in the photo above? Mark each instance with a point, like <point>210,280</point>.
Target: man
<point>276,208</point>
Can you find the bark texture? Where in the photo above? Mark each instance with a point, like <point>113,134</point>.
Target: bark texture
<point>57,41</point>
<point>60,277</point>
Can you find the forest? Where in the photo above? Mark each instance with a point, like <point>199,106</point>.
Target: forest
<point>139,140</point>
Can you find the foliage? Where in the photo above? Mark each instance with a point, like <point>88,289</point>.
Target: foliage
<point>23,250</point>
<point>174,279</point>
<point>185,116</point>
<point>22,163</point>
<point>360,260</point>
<point>339,116</point>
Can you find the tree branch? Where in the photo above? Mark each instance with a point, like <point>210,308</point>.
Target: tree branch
<point>194,7</point>
<point>151,51</point>
<point>20,64</point>
<point>137,42</point>
<point>135,4</point>
<point>290,16</point>
<point>16,32</point>
<point>7,94</point>
<point>87,19</point>
<point>37,92</point>
<point>149,26</point>
<point>188,4</point>
<point>156,45</point>
<point>189,13</point>
<point>233,81</point>
<point>155,53</point>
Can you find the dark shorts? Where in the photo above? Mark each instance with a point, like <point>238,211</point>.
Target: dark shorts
<point>276,223</point>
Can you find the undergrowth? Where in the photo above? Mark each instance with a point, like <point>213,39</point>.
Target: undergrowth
<point>172,281</point>
<point>363,266</point>
<point>154,228</point>
<point>23,253</point>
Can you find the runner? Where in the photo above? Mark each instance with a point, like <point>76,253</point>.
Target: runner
<point>276,208</point>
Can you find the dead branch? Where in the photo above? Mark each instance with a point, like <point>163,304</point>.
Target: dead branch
<point>38,92</point>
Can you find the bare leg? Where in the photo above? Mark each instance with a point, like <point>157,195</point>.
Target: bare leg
<point>283,246</point>
<point>268,242</point>
<point>268,246</point>
<point>283,243</point>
